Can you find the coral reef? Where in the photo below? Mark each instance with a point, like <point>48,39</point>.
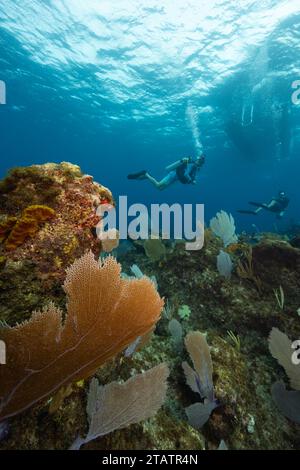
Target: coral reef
<point>64,198</point>
<point>236,314</point>
<point>247,417</point>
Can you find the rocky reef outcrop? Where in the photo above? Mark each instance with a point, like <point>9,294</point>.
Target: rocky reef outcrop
<point>32,272</point>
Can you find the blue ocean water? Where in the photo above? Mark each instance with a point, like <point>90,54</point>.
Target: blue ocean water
<point>118,86</point>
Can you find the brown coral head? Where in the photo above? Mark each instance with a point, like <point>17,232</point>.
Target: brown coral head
<point>105,314</point>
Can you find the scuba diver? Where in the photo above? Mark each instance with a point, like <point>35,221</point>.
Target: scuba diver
<point>184,170</point>
<point>277,205</point>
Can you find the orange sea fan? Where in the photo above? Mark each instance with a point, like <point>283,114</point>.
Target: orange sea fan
<point>104,315</point>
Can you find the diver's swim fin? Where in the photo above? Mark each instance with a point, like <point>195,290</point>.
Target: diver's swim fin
<point>247,212</point>
<point>137,176</point>
<point>259,204</point>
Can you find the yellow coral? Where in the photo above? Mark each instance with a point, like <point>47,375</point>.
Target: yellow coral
<point>71,246</point>
<point>6,227</point>
<point>39,213</point>
<point>14,232</point>
<point>58,262</point>
<point>23,229</point>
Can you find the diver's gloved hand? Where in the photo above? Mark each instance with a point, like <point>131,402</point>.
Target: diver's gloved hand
<point>186,160</point>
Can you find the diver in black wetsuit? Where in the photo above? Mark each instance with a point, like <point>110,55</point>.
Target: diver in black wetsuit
<point>184,170</point>
<point>277,205</point>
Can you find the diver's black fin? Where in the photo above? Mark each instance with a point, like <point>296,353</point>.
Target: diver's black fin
<point>247,212</point>
<point>258,204</point>
<point>137,176</point>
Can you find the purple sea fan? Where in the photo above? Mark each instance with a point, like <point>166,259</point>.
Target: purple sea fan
<point>115,406</point>
<point>199,379</point>
<point>224,264</point>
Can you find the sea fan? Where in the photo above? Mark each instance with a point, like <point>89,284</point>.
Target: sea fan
<point>224,264</point>
<point>281,349</point>
<point>223,226</point>
<point>288,401</point>
<point>175,329</point>
<point>115,406</point>
<point>200,379</point>
<point>104,315</point>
